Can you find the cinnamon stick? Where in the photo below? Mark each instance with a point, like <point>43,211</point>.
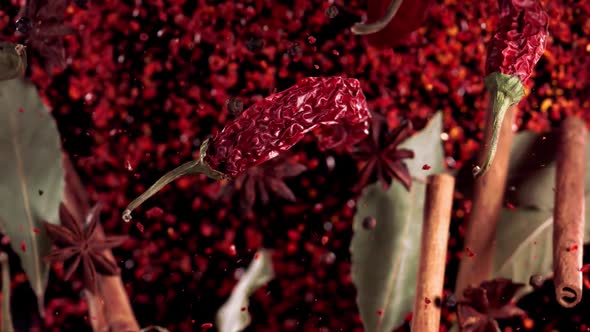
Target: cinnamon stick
<point>476,266</point>
<point>435,236</point>
<point>111,303</point>
<point>568,217</point>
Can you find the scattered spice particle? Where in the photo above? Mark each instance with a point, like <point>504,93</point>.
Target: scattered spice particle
<point>380,312</point>
<point>536,281</point>
<point>234,105</point>
<point>426,167</point>
<point>332,12</point>
<point>470,252</point>
<point>139,227</point>
<point>206,325</point>
<point>23,246</point>
<point>254,44</point>
<point>585,268</point>
<point>154,212</point>
<point>572,248</point>
<point>369,223</point>
<point>36,230</point>
<point>40,192</point>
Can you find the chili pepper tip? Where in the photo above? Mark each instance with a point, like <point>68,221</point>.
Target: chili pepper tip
<point>505,91</point>
<point>380,24</point>
<point>198,166</point>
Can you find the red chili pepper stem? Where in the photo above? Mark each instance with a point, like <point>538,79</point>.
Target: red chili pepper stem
<point>198,166</point>
<point>380,24</point>
<point>505,91</point>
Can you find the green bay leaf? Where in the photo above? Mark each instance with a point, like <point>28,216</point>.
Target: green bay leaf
<point>385,259</point>
<point>32,182</point>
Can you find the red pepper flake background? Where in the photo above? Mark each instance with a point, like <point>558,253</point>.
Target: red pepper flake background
<point>147,81</point>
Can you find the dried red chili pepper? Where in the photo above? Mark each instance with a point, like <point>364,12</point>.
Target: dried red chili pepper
<point>513,52</point>
<point>401,18</point>
<point>335,105</point>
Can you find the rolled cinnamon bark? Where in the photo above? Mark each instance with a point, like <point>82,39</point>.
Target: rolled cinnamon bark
<point>435,235</point>
<point>487,201</point>
<point>568,227</point>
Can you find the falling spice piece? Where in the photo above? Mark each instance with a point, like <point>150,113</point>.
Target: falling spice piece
<point>80,244</point>
<point>82,4</point>
<point>264,180</point>
<point>335,106</point>
<point>254,44</point>
<point>513,52</point>
<point>234,105</point>
<point>332,12</point>
<point>40,192</point>
<point>485,304</point>
<point>537,281</point>
<point>13,60</point>
<point>389,22</point>
<point>382,156</point>
<point>433,250</point>
<point>569,212</point>
<point>42,24</point>
<point>369,223</point>
<point>23,246</point>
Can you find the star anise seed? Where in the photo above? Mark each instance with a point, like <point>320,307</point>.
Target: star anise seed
<point>485,304</point>
<point>382,156</point>
<point>78,245</point>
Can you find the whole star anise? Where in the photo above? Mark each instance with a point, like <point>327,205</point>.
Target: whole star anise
<point>42,22</point>
<point>77,244</point>
<point>382,156</point>
<point>264,180</point>
<point>485,304</point>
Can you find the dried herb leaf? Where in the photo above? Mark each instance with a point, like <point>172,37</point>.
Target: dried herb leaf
<point>385,258</point>
<point>231,317</point>
<point>30,159</point>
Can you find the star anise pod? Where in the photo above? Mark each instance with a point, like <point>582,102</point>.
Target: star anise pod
<point>41,22</point>
<point>382,156</point>
<point>82,245</point>
<point>485,304</point>
<point>263,180</point>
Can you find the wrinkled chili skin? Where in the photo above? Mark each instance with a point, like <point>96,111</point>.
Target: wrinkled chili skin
<point>334,105</point>
<point>409,17</point>
<point>519,40</point>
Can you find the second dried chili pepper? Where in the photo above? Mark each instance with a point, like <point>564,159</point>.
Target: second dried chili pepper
<point>334,105</point>
<point>391,21</point>
<point>513,52</point>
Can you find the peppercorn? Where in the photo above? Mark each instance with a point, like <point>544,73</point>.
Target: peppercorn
<point>234,105</point>
<point>83,4</point>
<point>369,223</point>
<point>537,281</point>
<point>332,12</point>
<point>294,50</point>
<point>254,44</point>
<point>24,25</point>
